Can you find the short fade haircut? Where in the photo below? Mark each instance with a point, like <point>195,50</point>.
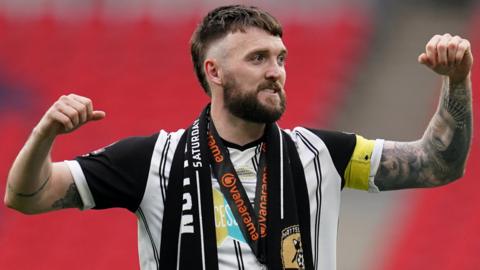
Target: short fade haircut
<point>222,21</point>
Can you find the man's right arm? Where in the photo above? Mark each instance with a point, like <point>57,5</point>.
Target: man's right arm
<point>35,184</point>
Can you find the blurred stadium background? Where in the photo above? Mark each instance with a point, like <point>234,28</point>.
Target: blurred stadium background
<point>352,66</point>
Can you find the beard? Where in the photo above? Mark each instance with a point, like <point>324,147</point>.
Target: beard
<point>245,104</point>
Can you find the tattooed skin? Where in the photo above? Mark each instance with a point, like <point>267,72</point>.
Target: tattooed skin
<point>440,156</point>
<point>28,195</point>
<point>70,200</point>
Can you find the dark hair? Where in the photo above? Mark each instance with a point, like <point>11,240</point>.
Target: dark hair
<point>222,21</point>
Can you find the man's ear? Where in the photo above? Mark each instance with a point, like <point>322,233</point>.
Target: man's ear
<point>212,71</point>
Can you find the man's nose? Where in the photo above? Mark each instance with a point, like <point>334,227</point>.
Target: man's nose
<point>274,71</point>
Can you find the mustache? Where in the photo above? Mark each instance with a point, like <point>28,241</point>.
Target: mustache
<point>270,85</point>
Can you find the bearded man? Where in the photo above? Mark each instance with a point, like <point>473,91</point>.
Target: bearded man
<point>234,190</point>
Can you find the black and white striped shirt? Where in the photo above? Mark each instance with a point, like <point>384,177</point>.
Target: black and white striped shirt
<point>133,173</point>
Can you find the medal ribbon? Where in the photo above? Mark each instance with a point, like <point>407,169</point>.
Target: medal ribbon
<point>253,224</point>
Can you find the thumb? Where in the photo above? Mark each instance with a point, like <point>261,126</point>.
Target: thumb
<point>423,59</point>
<point>97,115</point>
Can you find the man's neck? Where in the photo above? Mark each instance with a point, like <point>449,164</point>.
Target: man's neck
<point>234,129</point>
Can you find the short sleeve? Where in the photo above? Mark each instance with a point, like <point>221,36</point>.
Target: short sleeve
<point>340,145</point>
<point>355,158</point>
<point>116,176</point>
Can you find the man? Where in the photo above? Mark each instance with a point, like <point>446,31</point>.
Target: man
<point>235,191</point>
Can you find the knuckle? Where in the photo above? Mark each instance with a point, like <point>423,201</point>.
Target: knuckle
<point>430,47</point>
<point>72,114</point>
<point>463,46</point>
<point>64,121</point>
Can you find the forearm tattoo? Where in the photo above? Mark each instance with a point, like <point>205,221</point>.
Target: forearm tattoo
<point>70,200</point>
<point>28,195</point>
<point>456,103</point>
<point>440,156</point>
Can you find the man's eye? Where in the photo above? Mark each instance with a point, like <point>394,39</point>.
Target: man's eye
<point>281,60</point>
<point>258,58</point>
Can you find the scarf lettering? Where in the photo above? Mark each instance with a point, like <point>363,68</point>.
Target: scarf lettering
<point>187,217</point>
<point>212,144</point>
<point>195,145</point>
<point>262,212</point>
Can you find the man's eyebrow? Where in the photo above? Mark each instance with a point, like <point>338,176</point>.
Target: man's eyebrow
<point>266,51</point>
<point>258,51</point>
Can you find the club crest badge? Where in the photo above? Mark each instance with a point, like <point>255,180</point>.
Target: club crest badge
<point>292,251</point>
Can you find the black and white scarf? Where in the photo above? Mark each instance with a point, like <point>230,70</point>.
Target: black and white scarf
<point>188,239</point>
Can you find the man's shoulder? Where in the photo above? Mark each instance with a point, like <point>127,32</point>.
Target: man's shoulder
<point>324,135</point>
<point>155,138</point>
<point>316,140</point>
<point>174,135</point>
<point>140,144</point>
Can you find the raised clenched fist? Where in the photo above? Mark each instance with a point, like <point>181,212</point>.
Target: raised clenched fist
<point>67,114</point>
<point>448,55</point>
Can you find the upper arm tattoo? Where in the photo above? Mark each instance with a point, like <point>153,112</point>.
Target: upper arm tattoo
<point>440,156</point>
<point>32,194</point>
<point>71,199</point>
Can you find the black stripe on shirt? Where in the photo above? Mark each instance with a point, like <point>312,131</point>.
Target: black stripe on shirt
<point>238,253</point>
<point>163,161</point>
<point>255,158</point>
<point>154,247</point>
<point>318,194</point>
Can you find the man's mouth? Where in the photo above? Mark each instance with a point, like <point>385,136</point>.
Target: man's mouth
<point>271,88</point>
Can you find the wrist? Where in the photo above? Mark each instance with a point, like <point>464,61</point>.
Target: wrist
<point>43,133</point>
<point>458,79</point>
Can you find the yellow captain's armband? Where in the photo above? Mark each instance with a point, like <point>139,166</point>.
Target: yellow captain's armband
<point>358,169</point>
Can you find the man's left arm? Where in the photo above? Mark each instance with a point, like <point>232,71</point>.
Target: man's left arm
<point>439,157</point>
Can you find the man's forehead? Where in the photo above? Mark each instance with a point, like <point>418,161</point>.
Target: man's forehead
<point>249,40</point>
